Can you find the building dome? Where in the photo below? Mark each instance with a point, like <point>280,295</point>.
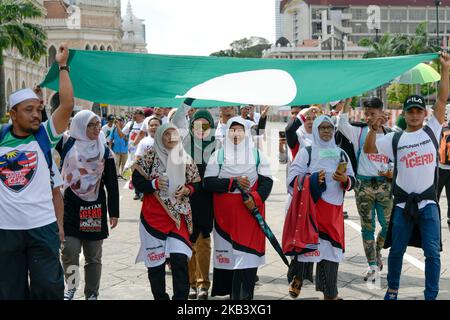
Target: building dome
<point>133,28</point>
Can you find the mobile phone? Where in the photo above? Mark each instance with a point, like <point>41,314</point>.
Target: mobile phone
<point>282,134</point>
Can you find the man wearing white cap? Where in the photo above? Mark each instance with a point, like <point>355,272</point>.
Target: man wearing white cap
<point>28,228</point>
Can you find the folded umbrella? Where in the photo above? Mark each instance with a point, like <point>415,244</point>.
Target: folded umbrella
<point>265,227</point>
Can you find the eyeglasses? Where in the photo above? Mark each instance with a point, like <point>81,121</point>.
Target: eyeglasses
<point>94,126</point>
<point>326,128</point>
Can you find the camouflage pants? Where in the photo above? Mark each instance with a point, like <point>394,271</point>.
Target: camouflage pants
<point>373,198</point>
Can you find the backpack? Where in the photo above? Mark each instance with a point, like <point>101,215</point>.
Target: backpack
<point>43,142</point>
<point>69,144</point>
<point>444,148</point>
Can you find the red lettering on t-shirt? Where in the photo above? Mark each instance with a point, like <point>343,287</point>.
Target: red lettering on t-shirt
<point>376,157</point>
<point>414,160</point>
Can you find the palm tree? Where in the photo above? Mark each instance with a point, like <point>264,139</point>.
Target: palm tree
<point>29,39</point>
<point>403,44</point>
<point>382,48</point>
<point>399,45</point>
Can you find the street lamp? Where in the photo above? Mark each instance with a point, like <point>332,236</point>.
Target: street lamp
<point>437,3</point>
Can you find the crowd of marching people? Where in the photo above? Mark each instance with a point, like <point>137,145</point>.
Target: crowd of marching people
<point>203,185</point>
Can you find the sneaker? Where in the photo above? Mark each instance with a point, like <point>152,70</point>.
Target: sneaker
<point>193,293</point>
<point>92,297</point>
<point>391,295</point>
<point>345,215</point>
<point>203,294</point>
<point>371,273</point>
<point>69,294</point>
<point>294,287</point>
<point>137,197</point>
<point>448,221</point>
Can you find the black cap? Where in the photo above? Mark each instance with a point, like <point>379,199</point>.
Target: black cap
<point>414,101</point>
<point>110,117</point>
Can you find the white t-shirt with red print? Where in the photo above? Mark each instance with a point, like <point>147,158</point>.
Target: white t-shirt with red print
<point>416,159</point>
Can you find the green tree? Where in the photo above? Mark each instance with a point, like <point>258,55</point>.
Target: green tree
<point>398,45</point>
<point>252,47</point>
<point>28,38</point>
<point>382,48</point>
<point>403,44</point>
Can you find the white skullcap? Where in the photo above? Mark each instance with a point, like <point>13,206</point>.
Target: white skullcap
<point>334,103</point>
<point>20,96</point>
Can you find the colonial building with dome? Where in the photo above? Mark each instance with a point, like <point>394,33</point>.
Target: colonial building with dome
<point>84,25</point>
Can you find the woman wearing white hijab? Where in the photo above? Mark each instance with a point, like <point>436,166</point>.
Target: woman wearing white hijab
<point>168,177</point>
<point>329,186</point>
<point>239,243</point>
<point>88,168</point>
<point>304,138</point>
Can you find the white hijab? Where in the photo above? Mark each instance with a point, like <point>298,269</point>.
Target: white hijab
<point>172,161</point>
<point>239,160</point>
<point>325,156</point>
<point>84,164</point>
<point>78,127</point>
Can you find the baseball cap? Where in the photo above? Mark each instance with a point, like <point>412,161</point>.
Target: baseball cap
<point>414,101</point>
<point>110,117</point>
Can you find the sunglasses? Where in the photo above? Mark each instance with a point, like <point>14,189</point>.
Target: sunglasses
<point>204,126</point>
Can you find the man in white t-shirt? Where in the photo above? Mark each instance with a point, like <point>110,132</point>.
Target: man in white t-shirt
<point>415,154</point>
<point>29,250</point>
<point>109,126</point>
<point>373,188</point>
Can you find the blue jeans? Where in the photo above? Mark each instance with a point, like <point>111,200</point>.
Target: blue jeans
<point>429,225</point>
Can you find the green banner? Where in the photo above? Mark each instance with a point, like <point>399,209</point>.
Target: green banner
<point>132,79</point>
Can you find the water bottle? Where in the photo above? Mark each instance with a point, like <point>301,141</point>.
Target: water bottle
<point>165,194</point>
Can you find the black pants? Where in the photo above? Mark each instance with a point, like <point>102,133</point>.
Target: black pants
<point>32,254</point>
<point>180,278</point>
<point>243,284</point>
<point>444,181</point>
<point>327,277</point>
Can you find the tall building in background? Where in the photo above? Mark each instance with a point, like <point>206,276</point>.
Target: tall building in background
<point>84,25</point>
<point>313,26</point>
<point>278,20</point>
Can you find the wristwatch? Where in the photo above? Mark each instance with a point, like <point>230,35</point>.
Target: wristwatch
<point>64,68</point>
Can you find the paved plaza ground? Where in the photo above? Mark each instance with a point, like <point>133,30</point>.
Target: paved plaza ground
<point>122,279</point>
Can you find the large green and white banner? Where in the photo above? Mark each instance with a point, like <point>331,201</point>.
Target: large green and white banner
<point>131,79</point>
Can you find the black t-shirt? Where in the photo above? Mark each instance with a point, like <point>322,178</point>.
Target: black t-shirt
<point>89,220</point>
